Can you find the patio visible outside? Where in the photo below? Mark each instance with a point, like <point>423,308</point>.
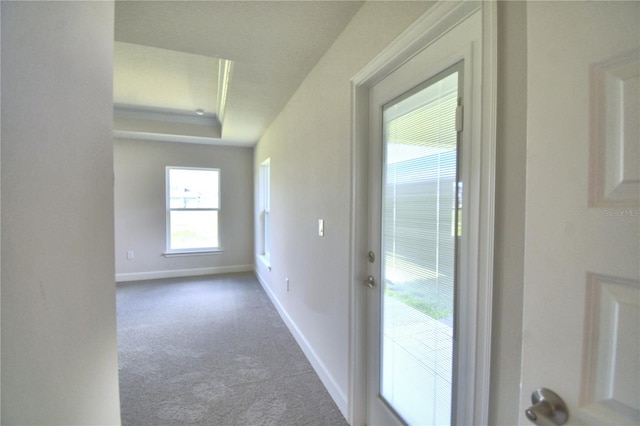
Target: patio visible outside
<point>418,352</point>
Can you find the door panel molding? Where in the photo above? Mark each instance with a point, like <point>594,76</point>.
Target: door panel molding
<point>610,369</point>
<point>615,132</point>
<point>580,294</point>
<point>439,19</point>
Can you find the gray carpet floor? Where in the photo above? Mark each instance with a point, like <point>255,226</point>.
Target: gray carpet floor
<point>213,351</point>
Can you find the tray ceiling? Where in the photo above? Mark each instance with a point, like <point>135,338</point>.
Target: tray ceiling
<point>169,55</point>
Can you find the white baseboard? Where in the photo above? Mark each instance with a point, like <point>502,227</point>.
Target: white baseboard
<point>329,383</point>
<point>175,273</point>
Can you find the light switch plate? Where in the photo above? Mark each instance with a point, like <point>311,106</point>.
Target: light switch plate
<point>321,227</point>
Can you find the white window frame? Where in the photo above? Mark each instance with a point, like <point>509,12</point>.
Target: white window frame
<point>168,209</point>
<point>265,210</point>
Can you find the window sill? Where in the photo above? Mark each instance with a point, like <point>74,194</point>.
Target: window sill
<point>192,253</point>
<point>266,261</point>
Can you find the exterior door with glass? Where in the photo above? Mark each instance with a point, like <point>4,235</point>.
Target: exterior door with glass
<point>419,229</point>
<point>418,173</point>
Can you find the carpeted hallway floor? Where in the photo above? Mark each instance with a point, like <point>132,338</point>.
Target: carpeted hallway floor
<point>213,351</point>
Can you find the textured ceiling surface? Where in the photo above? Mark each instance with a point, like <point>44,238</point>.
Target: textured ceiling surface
<point>273,46</point>
<point>162,78</point>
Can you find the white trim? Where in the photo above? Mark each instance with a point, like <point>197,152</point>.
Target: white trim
<point>192,252</point>
<point>425,30</point>
<point>265,261</point>
<point>168,210</point>
<point>224,76</point>
<point>137,112</point>
<point>264,207</point>
<point>487,210</point>
<point>164,137</point>
<point>321,370</point>
<point>436,21</point>
<point>177,273</point>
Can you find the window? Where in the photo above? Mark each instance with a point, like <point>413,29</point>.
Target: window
<point>193,206</point>
<point>265,208</point>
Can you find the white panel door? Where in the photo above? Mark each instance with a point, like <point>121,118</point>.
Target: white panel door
<point>581,334</point>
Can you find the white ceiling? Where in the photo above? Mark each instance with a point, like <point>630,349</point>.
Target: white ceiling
<point>164,78</point>
<point>273,46</point>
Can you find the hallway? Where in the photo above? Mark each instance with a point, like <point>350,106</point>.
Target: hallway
<point>212,351</point>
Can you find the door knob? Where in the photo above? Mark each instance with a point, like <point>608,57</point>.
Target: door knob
<point>370,281</point>
<point>547,407</point>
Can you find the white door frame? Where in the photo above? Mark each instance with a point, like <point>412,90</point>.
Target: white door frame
<point>435,22</point>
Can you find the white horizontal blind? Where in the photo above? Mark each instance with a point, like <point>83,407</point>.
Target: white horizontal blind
<point>419,235</point>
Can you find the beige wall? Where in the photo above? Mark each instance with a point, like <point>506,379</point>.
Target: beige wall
<point>140,219</point>
<point>59,354</point>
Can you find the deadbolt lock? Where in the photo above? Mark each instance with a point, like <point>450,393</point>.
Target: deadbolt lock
<point>371,257</point>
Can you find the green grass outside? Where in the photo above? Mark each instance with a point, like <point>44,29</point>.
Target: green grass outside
<point>412,295</point>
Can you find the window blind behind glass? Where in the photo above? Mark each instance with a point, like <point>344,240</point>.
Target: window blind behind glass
<point>418,236</point>
<point>419,202</point>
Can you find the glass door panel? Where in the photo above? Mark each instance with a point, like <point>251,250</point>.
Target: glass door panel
<point>419,228</point>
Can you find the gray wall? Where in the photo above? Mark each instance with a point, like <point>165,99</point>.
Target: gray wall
<point>509,214</point>
<point>140,219</point>
<point>309,146</point>
<point>59,360</point>
<point>59,354</point>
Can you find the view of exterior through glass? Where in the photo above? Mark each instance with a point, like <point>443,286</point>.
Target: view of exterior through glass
<point>419,233</point>
<point>194,202</point>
